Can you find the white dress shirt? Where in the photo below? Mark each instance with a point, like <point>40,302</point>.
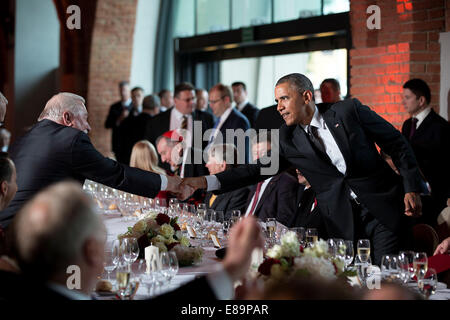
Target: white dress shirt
<point>176,119</point>
<point>263,187</point>
<point>421,116</point>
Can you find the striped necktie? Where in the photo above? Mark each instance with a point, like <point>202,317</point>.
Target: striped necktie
<point>184,123</point>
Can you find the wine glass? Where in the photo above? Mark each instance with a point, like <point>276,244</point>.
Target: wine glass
<point>349,253</point>
<point>226,227</point>
<point>169,265</point>
<point>271,228</point>
<point>428,283</point>
<point>173,202</point>
<point>341,248</point>
<point>362,269</point>
<point>130,250</point>
<point>312,236</point>
<point>235,216</point>
<point>145,277</point>
<point>109,263</point>
<point>420,265</point>
<point>332,247</point>
<point>390,270</point>
<point>406,259</point>
<point>300,232</point>
<point>363,249</point>
<point>123,279</point>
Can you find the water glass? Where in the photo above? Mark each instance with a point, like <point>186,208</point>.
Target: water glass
<point>420,264</point>
<point>406,259</point>
<point>349,253</point>
<point>312,236</point>
<point>130,250</point>
<point>300,232</point>
<point>390,270</point>
<point>428,283</point>
<point>169,265</point>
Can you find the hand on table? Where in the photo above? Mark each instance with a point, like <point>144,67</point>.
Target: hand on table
<point>413,204</point>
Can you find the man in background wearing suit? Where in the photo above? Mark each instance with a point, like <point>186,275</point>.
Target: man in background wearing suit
<point>333,146</point>
<point>429,135</point>
<point>58,148</point>
<point>242,104</point>
<point>182,116</point>
<point>60,228</point>
<point>117,113</point>
<point>274,197</point>
<point>223,157</point>
<point>228,118</point>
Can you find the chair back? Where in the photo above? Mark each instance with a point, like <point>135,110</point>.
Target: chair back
<point>425,239</point>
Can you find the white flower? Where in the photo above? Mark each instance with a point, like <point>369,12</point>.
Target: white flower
<point>162,247</point>
<point>316,266</point>
<point>140,227</point>
<point>276,252</point>
<point>159,238</point>
<point>290,245</point>
<point>185,242</point>
<point>166,230</point>
<point>179,234</point>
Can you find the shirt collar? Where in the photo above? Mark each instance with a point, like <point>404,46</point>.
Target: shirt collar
<point>422,115</point>
<point>317,121</point>
<point>242,105</point>
<point>178,115</point>
<point>126,103</point>
<point>225,115</point>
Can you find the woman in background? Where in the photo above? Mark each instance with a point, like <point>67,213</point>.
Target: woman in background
<point>143,156</point>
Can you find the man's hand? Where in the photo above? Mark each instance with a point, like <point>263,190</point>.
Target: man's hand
<point>173,184</point>
<point>413,204</point>
<point>195,183</point>
<point>244,237</point>
<point>444,247</point>
<point>122,116</point>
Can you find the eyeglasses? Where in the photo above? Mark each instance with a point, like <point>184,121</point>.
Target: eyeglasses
<point>215,101</point>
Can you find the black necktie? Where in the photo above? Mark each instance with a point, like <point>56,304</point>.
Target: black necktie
<point>315,139</point>
<point>413,127</point>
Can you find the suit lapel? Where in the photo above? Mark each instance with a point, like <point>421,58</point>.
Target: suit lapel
<point>425,123</point>
<point>336,128</point>
<point>266,193</point>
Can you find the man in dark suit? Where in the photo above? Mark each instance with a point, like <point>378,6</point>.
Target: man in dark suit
<point>269,118</point>
<point>242,104</point>
<point>228,119</point>
<point>128,130</point>
<point>58,148</point>
<point>429,135</point>
<point>217,162</point>
<point>274,197</point>
<point>181,116</point>
<point>118,112</point>
<point>48,241</point>
<point>333,146</point>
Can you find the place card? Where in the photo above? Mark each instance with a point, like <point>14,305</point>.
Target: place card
<point>191,231</point>
<point>215,241</point>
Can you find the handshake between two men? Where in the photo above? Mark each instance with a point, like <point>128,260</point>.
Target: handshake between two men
<point>184,188</point>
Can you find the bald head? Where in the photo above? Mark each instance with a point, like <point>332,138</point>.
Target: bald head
<point>67,109</point>
<point>54,231</point>
<point>3,104</point>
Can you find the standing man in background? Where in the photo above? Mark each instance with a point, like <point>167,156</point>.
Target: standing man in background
<point>242,104</point>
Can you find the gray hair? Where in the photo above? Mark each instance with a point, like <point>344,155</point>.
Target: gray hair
<point>3,100</point>
<point>60,103</point>
<point>224,152</point>
<point>52,228</point>
<point>300,81</point>
<point>151,102</point>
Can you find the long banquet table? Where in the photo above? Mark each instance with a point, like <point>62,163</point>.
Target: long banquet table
<point>116,225</point>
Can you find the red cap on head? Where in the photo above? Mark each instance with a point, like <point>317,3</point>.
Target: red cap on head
<point>173,136</point>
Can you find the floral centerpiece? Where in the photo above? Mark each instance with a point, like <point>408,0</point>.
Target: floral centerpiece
<point>160,230</point>
<point>290,259</point>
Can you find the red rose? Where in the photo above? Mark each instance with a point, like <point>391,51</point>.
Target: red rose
<point>265,267</point>
<point>301,248</point>
<point>176,227</point>
<point>162,219</point>
<point>170,246</point>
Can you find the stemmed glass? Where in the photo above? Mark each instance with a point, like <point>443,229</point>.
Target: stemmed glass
<point>123,279</point>
<point>341,248</point>
<point>390,268</point>
<point>312,236</point>
<point>349,253</point>
<point>420,265</point>
<point>235,216</point>
<point>146,278</point>
<point>332,247</point>
<point>110,263</point>
<point>169,265</point>
<point>130,250</point>
<point>271,228</point>
<point>300,232</point>
<point>226,227</point>
<point>427,285</point>
<point>363,250</point>
<point>406,259</point>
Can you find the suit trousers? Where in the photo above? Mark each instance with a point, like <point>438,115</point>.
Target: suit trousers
<point>382,240</point>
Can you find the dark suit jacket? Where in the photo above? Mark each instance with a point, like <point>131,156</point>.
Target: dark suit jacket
<point>51,153</point>
<point>235,120</point>
<point>278,200</point>
<point>306,215</point>
<point>431,145</point>
<point>161,123</point>
<point>269,118</point>
<point>114,112</point>
<point>193,169</point>
<point>251,113</point>
<point>355,129</point>
<point>227,202</point>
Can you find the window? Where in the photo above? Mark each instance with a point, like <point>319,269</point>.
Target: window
<point>213,16</point>
<point>251,13</point>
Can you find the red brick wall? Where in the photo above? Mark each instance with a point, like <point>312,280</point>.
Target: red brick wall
<point>406,46</point>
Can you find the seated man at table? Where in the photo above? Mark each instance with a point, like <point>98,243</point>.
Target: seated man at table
<point>58,148</point>
<point>59,230</point>
<point>219,157</point>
